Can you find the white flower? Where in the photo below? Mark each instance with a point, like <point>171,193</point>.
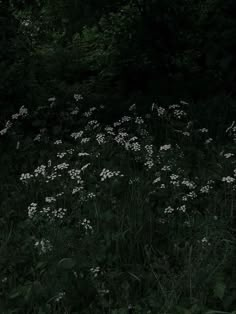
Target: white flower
<point>228,155</point>
<point>165,147</point>
<point>50,199</point>
<point>52,99</point>
<point>203,130</point>
<point>100,138</point>
<point>76,135</point>
<point>149,163</point>
<point>158,179</point>
<point>132,108</point>
<point>139,120</point>
<point>228,179</point>
<point>44,246</point>
<point>161,111</point>
<point>25,176</point>
<point>58,142</point>
<point>32,210</point>
<point>78,97</point>
<point>168,210</point>
<point>182,208</point>
<point>59,296</point>
<point>209,140</point>
<point>83,154</point>
<point>85,140</point>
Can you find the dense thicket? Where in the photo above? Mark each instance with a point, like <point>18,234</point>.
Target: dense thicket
<point>124,51</point>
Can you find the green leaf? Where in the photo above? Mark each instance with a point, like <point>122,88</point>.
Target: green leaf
<point>67,263</point>
<point>219,290</point>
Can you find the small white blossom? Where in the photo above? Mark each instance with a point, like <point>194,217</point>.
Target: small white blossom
<point>228,179</point>
<point>165,147</point>
<point>168,210</point>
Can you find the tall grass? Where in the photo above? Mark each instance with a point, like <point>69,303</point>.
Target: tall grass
<point>132,217</point>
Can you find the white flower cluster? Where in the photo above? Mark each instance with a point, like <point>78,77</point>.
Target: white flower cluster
<point>58,142</point>
<point>87,225</point>
<point>209,140</point>
<point>126,119</point>
<point>190,195</point>
<point>228,179</point>
<point>75,174</point>
<point>120,138</point>
<point>139,120</point>
<point>109,174</point>
<point>85,140</point>
<point>25,177</point>
<point>109,130</point>
<point>40,170</point>
<point>61,155</point>
<point>174,180</point>
<point>182,208</point>
<point>93,123</point>
<point>133,146</point>
<point>76,135</point>
<point>168,210</point>
<point>149,163</point>
<point>61,166</point>
<point>78,97</point>
<point>77,189</point>
<point>32,210</point>
<point>166,168</point>
<point>174,106</point>
<point>203,130</point>
<point>95,271</point>
<point>89,113</point>
<point>83,154</point>
<point>91,195</point>
<point>23,112</point>
<point>205,189</point>
<point>59,213</point>
<point>50,199</point>
<point>165,147</point>
<point>44,246</point>
<point>205,242</point>
<point>179,113</point>
<point>161,111</point>
<point>228,155</point>
<point>59,296</point>
<point>75,111</point>
<point>149,149</point>
<point>100,138</point>
<point>7,126</point>
<point>189,184</point>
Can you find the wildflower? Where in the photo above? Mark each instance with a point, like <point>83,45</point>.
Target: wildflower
<point>132,108</point>
<point>100,138</point>
<point>52,99</point>
<point>44,246</point>
<point>58,142</point>
<point>209,140</point>
<point>50,199</point>
<point>203,130</point>
<point>77,135</point>
<point>32,210</point>
<point>59,296</point>
<point>168,210</point>
<point>78,97</point>
<point>228,179</point>
<point>228,155</point>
